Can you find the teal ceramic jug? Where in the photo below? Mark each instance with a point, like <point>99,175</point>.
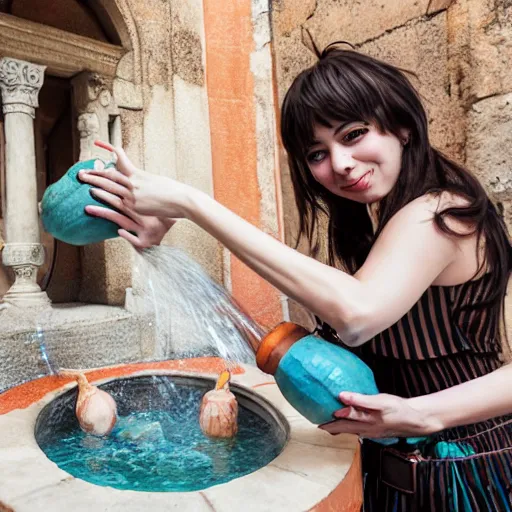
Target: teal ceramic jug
<point>63,214</point>
<point>311,373</point>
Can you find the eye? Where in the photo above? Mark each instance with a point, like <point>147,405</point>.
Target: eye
<point>355,134</point>
<point>315,157</point>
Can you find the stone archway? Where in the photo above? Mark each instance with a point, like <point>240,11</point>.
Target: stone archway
<point>94,66</point>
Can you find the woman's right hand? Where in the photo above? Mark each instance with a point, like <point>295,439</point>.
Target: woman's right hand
<point>139,191</point>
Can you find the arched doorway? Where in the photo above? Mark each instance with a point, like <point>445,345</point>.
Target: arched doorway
<point>69,37</point>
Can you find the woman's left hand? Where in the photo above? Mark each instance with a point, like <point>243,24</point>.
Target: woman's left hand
<point>377,416</point>
<point>142,231</point>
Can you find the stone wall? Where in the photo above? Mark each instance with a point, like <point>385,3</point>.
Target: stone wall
<point>461,52</point>
<point>161,94</point>
<point>148,71</point>
<point>158,90</point>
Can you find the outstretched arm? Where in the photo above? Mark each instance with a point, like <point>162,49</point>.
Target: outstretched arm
<point>405,260</point>
<point>389,416</point>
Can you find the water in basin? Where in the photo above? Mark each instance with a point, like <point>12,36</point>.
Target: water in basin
<point>157,444</point>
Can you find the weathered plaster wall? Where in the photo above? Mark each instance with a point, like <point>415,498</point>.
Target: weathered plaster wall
<point>161,91</point>
<point>461,51</point>
<point>242,133</point>
<point>192,126</point>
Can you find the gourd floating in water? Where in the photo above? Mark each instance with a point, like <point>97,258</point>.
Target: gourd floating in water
<point>63,204</point>
<point>218,415</point>
<point>96,410</point>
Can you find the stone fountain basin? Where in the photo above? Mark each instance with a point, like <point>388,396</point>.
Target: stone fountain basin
<point>314,471</point>
<point>157,444</point>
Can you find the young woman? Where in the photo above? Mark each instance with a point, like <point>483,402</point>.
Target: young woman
<point>419,262</point>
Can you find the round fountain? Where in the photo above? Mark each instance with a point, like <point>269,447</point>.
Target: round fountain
<point>183,330</point>
<point>157,444</point>
<point>278,461</point>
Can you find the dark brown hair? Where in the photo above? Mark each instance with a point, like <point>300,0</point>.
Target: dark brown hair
<point>347,86</point>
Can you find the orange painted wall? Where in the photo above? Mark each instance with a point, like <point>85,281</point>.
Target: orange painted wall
<point>230,86</point>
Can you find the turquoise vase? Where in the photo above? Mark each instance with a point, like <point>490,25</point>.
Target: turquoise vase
<point>311,373</point>
<point>63,214</point>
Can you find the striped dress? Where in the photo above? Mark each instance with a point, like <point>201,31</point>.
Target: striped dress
<point>444,340</point>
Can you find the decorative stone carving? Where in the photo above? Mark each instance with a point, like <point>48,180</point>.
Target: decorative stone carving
<point>89,130</point>
<point>96,107</point>
<point>92,90</point>
<point>24,259</point>
<point>20,83</point>
<point>88,125</point>
<point>64,53</point>
<point>23,254</point>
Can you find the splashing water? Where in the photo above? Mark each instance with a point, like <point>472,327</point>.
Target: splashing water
<point>193,314</point>
<point>40,338</point>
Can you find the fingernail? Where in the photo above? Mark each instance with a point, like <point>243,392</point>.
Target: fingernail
<point>326,428</point>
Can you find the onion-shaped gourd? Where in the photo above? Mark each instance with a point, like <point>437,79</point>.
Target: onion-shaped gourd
<point>96,410</point>
<point>62,209</point>
<point>218,415</point>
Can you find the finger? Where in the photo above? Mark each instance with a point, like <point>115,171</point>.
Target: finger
<point>372,402</point>
<point>104,145</point>
<point>110,199</point>
<point>132,239</point>
<point>130,212</point>
<point>105,184</point>
<point>110,173</point>
<point>121,204</point>
<point>123,162</point>
<point>342,427</point>
<point>118,218</point>
<point>351,413</point>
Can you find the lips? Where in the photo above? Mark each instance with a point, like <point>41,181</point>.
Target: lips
<point>361,183</point>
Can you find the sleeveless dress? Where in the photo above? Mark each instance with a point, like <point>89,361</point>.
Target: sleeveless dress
<point>447,338</point>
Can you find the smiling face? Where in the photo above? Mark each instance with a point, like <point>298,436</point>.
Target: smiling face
<point>355,160</point>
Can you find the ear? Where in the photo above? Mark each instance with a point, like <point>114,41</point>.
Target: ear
<point>405,135</point>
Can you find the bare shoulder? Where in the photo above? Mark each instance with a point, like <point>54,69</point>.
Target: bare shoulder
<point>427,206</point>
<point>469,250</point>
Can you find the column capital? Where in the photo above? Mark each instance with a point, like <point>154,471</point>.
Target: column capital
<point>92,92</point>
<point>20,83</point>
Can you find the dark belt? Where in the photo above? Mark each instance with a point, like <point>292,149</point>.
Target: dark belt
<point>394,468</point>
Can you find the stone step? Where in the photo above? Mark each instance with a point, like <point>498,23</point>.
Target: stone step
<point>71,335</point>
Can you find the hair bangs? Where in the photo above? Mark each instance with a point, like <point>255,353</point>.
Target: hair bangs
<point>327,94</point>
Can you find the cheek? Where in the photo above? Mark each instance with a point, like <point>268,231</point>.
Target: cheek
<point>321,173</point>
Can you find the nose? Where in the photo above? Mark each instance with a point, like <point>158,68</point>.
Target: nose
<point>342,161</point>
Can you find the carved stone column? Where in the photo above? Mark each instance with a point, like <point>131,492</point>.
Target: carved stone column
<point>104,265</point>
<point>20,83</point>
<point>96,112</point>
